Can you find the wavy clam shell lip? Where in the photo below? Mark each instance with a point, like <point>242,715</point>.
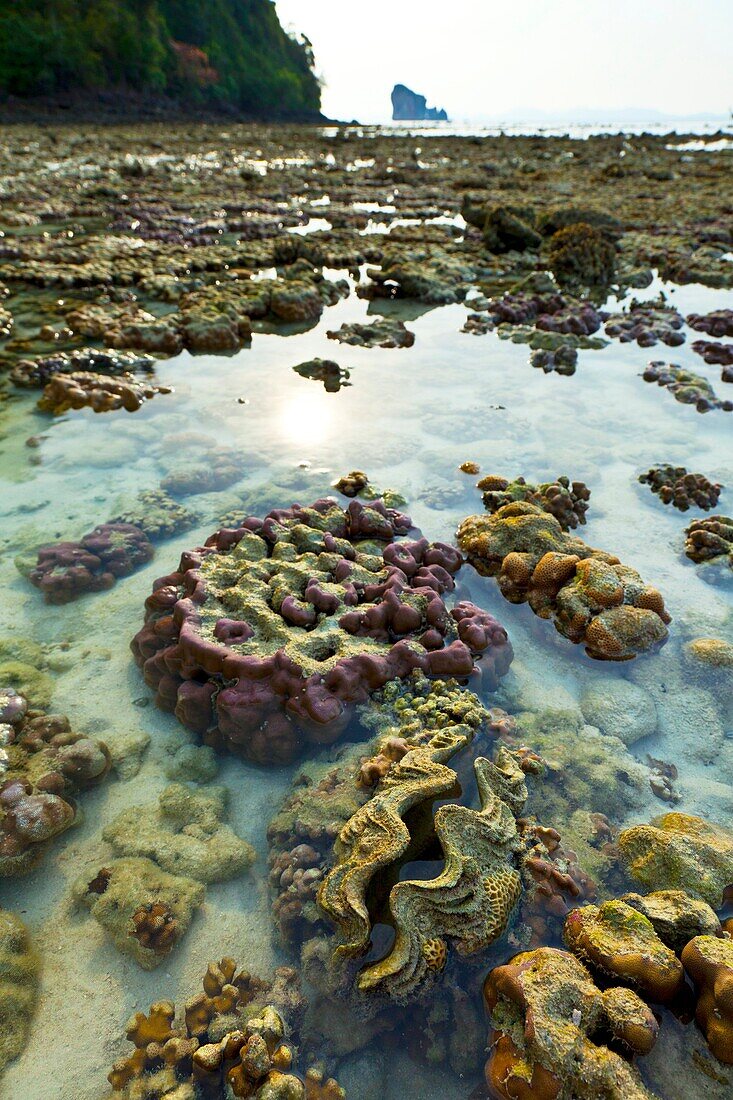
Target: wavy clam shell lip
<point>273,631</point>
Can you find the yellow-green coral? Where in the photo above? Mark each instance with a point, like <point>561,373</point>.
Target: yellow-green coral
<point>183,834</point>
<point>19,969</point>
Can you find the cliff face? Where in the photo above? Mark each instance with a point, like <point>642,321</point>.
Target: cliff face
<point>197,52</point>
<point>408,105</point>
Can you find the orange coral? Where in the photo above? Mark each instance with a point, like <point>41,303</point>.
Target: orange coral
<point>154,925</point>
<point>709,962</point>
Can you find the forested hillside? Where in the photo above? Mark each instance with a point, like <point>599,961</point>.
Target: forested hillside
<point>197,52</point>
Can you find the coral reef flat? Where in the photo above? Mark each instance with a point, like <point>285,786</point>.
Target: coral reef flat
<point>211,264</point>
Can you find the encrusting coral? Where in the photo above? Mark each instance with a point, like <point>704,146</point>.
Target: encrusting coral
<point>622,943</point>
<point>687,387</point>
<point>567,502</point>
<point>710,540</point>
<point>709,962</point>
<point>19,971</point>
<point>156,514</point>
<point>590,595</point>
<point>551,1021</point>
<point>681,852</point>
<point>184,834</point>
<point>144,909</point>
<point>237,1037</point>
<point>42,763</point>
<point>66,570</point>
<point>676,485</point>
<point>266,636</point>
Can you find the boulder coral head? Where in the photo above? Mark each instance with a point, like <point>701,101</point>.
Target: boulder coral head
<point>709,962</point>
<point>264,638</point>
<point>710,539</point>
<point>619,941</point>
<point>589,595</point>
<point>42,762</point>
<point>551,1024</point>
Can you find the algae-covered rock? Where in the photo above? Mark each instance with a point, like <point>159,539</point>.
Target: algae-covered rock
<point>585,769</point>
<point>19,969</point>
<point>680,852</point>
<point>144,910</point>
<point>620,709</point>
<point>183,834</point>
<point>676,917</point>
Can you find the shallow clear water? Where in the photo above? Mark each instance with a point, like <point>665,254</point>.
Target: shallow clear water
<point>409,418</point>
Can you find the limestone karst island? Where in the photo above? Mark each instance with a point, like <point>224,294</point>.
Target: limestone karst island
<point>366,551</point>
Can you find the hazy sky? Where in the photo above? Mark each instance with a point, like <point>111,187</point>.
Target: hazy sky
<point>482,57</point>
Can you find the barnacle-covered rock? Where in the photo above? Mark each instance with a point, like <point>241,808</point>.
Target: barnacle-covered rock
<point>551,1021</point>
<point>621,942</point>
<point>675,916</point>
<point>266,636</point>
<point>42,764</point>
<point>19,969</point>
<point>184,834</point>
<point>470,902</point>
<point>687,387</point>
<point>384,333</point>
<point>589,595</point>
<point>581,255</point>
<point>66,570</point>
<point>709,962</point>
<point>97,391</point>
<point>681,852</point>
<point>676,485</point>
<point>235,1038</point>
<point>566,501</point>
<point>710,540</point>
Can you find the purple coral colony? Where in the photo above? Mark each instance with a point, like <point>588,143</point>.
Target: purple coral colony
<point>373,810</point>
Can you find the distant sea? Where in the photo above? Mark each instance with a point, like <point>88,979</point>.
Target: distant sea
<point>467,128</point>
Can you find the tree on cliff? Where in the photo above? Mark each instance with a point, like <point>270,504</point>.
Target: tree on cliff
<point>197,51</point>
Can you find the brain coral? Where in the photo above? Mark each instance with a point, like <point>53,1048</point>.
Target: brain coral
<point>41,763</point>
<point>18,986</point>
<point>551,1021</point>
<point>590,596</point>
<point>267,635</point>
<point>681,852</point>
